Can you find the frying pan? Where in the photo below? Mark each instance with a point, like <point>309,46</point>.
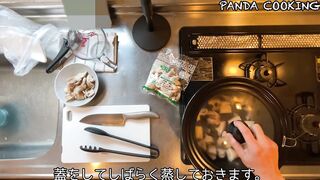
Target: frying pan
<point>200,159</point>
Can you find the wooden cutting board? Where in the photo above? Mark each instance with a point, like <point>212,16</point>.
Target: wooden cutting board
<point>73,135</point>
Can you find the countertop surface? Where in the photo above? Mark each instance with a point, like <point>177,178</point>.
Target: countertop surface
<point>125,88</point>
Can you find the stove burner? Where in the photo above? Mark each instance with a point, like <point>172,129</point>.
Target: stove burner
<point>305,118</point>
<point>305,123</point>
<point>263,71</point>
<point>311,124</point>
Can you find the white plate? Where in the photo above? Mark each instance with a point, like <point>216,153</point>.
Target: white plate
<point>61,82</point>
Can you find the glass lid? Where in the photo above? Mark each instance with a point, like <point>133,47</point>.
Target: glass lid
<point>220,110</point>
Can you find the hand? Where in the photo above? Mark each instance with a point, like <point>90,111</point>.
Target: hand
<point>260,153</point>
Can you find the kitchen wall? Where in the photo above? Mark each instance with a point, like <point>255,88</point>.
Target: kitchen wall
<point>133,2</point>
<point>28,1</point>
<point>196,10</point>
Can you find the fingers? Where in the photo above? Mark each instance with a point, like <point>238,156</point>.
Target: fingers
<point>246,133</point>
<point>265,141</point>
<point>234,143</point>
<point>274,148</point>
<point>261,137</point>
<point>272,144</point>
<point>257,130</point>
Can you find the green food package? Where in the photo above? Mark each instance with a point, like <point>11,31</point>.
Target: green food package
<point>169,76</point>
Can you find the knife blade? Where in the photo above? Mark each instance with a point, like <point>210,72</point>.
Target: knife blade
<point>116,119</point>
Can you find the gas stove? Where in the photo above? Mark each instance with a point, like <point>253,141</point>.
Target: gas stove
<point>284,59</point>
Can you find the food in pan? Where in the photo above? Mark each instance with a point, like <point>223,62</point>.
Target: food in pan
<point>213,119</point>
<point>79,87</point>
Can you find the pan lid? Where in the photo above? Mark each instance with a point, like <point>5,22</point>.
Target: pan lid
<point>216,105</point>
<point>219,111</point>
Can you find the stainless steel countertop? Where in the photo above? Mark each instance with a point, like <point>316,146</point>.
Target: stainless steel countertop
<point>124,87</point>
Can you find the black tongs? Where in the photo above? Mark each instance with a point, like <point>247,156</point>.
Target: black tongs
<point>154,152</point>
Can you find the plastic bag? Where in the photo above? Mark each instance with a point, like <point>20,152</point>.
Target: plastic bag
<point>170,75</point>
<point>25,43</point>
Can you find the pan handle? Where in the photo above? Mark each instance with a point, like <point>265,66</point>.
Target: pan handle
<point>290,142</point>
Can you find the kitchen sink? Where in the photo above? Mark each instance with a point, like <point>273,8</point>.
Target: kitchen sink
<point>32,112</point>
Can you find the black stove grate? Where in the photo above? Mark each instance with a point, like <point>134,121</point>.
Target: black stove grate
<point>262,70</point>
<point>287,65</point>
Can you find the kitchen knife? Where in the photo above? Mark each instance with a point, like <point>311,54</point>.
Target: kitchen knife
<point>116,119</point>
